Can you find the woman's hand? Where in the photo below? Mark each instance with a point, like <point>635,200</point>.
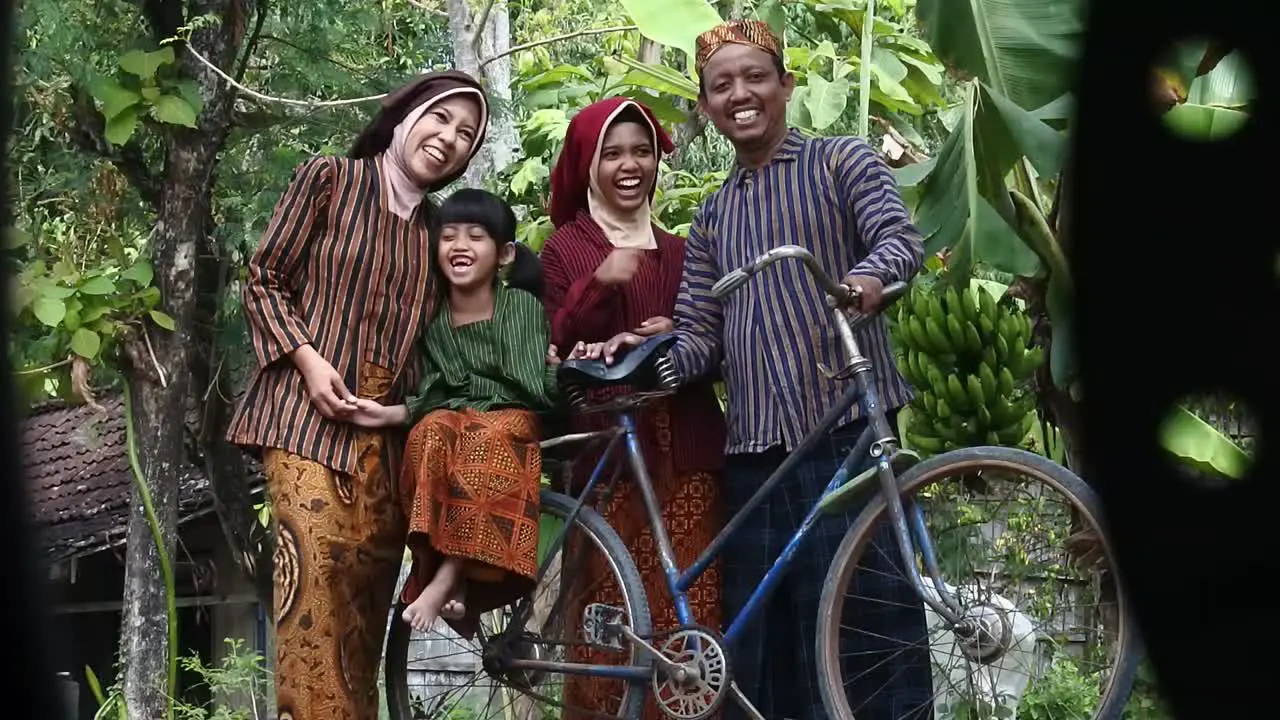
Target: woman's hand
<point>619,267</point>
<point>583,351</point>
<point>617,342</point>
<point>655,326</point>
<point>373,414</point>
<point>324,385</point>
<point>553,355</point>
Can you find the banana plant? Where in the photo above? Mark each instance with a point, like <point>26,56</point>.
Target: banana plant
<point>980,198</point>
<point>1016,60</point>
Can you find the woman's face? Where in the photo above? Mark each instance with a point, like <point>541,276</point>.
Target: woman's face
<point>469,256</point>
<point>439,145</point>
<point>627,166</point>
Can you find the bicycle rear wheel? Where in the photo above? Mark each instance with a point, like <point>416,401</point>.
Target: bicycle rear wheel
<point>1035,656</point>
<point>438,674</point>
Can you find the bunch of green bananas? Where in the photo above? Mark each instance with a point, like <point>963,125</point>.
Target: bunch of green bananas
<point>970,360</point>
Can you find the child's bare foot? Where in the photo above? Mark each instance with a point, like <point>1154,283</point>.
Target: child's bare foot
<point>455,607</point>
<point>444,587</point>
<point>422,612</point>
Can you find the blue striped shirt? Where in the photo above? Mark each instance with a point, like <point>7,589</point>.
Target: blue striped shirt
<point>836,198</point>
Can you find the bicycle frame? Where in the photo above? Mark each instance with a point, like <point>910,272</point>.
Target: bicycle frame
<point>878,444</point>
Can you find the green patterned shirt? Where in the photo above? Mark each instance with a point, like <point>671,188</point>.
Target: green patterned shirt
<point>489,364</point>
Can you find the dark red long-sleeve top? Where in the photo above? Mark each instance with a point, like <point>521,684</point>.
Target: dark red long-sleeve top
<point>582,309</point>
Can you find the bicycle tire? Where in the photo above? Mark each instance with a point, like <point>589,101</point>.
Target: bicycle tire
<point>396,661</point>
<point>952,464</point>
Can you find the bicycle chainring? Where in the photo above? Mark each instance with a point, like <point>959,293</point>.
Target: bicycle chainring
<point>705,668</point>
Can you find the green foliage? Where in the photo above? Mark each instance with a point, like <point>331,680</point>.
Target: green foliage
<point>1062,692</point>
<point>242,674</point>
<point>905,90</point>
<point>146,84</point>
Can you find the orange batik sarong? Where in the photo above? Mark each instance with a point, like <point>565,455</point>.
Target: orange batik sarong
<point>469,485</point>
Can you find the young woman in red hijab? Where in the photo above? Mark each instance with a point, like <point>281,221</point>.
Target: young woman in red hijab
<point>609,269</point>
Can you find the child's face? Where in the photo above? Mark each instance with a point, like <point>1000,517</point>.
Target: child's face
<point>469,256</point>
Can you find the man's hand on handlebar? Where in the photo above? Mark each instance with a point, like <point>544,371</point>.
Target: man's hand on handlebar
<point>869,291</point>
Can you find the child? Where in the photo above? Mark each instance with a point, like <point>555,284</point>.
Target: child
<point>472,467</point>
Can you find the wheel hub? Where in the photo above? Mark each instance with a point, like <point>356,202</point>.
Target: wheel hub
<point>498,655</point>
<point>984,633</point>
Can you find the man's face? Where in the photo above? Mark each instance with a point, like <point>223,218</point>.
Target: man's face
<point>745,96</point>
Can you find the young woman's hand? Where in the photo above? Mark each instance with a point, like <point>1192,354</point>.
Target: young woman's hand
<point>324,385</point>
<point>553,355</point>
<point>581,351</point>
<point>619,267</point>
<point>373,414</point>
<point>655,326</point>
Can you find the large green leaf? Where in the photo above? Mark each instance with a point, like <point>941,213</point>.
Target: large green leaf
<point>1229,84</point>
<point>1215,101</point>
<point>964,203</point>
<point>675,23</point>
<point>659,77</point>
<point>1023,49</point>
<point>1202,446</point>
<point>826,100</point>
<point>1204,122</point>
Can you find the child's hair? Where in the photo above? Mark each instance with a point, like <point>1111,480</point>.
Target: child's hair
<point>483,208</point>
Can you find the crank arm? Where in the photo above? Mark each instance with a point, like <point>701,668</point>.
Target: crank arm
<point>736,694</point>
<point>675,670</point>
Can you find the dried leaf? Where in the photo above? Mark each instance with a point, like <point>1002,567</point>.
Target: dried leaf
<point>80,371</point>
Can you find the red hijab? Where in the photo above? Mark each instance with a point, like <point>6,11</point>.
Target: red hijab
<point>572,174</point>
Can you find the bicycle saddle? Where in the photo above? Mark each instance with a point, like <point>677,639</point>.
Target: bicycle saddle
<point>636,368</point>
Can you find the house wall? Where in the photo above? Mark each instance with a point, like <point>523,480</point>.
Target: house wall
<point>86,599</point>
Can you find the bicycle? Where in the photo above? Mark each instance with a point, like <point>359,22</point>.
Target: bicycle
<point>691,666</point>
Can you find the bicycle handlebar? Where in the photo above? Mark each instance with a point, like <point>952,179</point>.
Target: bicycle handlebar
<point>841,293</point>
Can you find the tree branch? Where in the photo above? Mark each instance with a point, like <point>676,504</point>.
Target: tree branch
<point>88,132</point>
<point>910,153</point>
<point>558,38</point>
<point>269,98</point>
<point>479,28</point>
<point>263,6</point>
<point>365,77</point>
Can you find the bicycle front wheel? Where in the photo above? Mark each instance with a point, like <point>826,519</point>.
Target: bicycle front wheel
<point>1057,638</point>
<point>438,674</point>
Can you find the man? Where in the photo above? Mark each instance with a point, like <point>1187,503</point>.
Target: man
<point>837,198</point>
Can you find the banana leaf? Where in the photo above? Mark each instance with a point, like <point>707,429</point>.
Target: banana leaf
<point>1205,122</point>
<point>1215,101</point>
<point>1230,84</point>
<point>1202,446</point>
<point>1023,49</point>
<point>964,204</point>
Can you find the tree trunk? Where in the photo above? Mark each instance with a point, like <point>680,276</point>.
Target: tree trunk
<point>161,380</point>
<point>144,630</point>
<point>480,34</point>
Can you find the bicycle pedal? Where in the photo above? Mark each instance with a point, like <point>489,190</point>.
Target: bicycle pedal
<point>602,625</point>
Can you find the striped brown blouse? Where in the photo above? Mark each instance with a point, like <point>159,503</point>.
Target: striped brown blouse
<point>335,269</point>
